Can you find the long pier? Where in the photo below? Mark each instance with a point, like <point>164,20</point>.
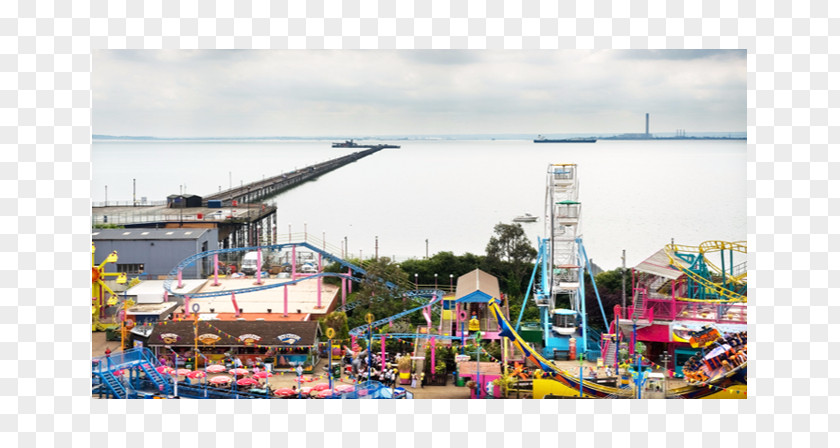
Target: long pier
<point>268,187</point>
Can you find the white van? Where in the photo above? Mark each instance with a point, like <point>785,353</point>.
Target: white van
<point>249,263</point>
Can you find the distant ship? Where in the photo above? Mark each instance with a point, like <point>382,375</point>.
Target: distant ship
<point>541,139</point>
<point>527,217</point>
<point>346,144</point>
<point>352,144</point>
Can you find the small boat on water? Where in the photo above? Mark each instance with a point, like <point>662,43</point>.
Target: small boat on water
<point>527,217</point>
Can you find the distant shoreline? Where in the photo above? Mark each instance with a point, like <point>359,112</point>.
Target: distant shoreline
<point>699,136</point>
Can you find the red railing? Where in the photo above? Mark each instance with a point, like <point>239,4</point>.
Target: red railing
<point>729,313</point>
<point>646,315</point>
<point>676,310</point>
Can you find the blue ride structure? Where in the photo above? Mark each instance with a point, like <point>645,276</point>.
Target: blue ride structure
<point>559,289</point>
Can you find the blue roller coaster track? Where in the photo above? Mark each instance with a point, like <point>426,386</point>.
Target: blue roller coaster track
<point>436,297</point>
<point>418,296</point>
<point>172,276</point>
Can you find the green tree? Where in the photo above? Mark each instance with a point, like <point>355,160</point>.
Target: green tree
<point>510,254</point>
<point>337,320</point>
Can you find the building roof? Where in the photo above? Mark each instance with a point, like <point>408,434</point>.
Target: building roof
<point>148,234</point>
<point>659,264</point>
<point>303,296</point>
<point>151,291</point>
<point>487,368</point>
<point>155,309</point>
<point>185,195</point>
<point>276,316</point>
<point>229,333</point>
<point>476,286</point>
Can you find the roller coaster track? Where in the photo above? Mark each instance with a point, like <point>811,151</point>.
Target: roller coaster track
<point>415,295</point>
<point>436,295</point>
<point>189,261</point>
<point>718,246</point>
<point>679,256</point>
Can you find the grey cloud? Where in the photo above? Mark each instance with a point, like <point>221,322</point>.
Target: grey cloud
<point>311,93</point>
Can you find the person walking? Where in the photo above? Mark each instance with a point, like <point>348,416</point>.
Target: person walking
<point>413,380</point>
<point>422,377</point>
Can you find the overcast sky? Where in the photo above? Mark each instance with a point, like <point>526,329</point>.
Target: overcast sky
<point>246,93</point>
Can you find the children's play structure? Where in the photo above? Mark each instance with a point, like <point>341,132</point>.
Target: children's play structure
<point>99,288</point>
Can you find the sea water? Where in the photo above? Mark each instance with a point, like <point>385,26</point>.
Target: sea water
<point>635,195</point>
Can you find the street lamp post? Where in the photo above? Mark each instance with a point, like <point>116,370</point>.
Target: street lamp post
<point>330,336</point>
<point>478,364</point>
<point>664,358</point>
<point>206,362</point>
<point>369,319</point>
<point>415,281</point>
<point>623,287</point>
<point>580,360</point>
<point>450,282</point>
<point>175,370</point>
<point>435,281</point>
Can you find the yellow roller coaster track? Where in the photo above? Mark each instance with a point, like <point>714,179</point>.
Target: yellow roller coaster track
<point>718,246</point>
<point>716,288</point>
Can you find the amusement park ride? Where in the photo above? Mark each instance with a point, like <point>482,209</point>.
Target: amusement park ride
<point>703,295</point>
<point>99,288</point>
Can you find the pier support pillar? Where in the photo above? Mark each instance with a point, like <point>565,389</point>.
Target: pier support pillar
<point>235,306</point>
<point>433,357</point>
<point>343,291</point>
<point>294,262</point>
<point>259,268</point>
<point>215,269</point>
<point>349,283</point>
<point>319,282</point>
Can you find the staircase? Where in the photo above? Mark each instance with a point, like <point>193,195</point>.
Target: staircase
<point>156,378</point>
<point>609,352</point>
<point>639,303</point>
<point>116,388</point>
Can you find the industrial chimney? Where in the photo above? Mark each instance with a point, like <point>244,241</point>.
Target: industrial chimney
<point>647,125</point>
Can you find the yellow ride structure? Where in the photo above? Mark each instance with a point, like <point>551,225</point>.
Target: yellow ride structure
<point>99,288</point>
<point>726,283</point>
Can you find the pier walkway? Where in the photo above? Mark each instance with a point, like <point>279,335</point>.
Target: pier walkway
<point>268,187</point>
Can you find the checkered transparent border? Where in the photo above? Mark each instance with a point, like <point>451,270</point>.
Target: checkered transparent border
<point>45,129</point>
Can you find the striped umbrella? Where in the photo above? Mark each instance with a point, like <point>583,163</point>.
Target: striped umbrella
<point>247,382</point>
<point>221,379</point>
<point>216,368</point>
<point>284,392</point>
<point>325,393</point>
